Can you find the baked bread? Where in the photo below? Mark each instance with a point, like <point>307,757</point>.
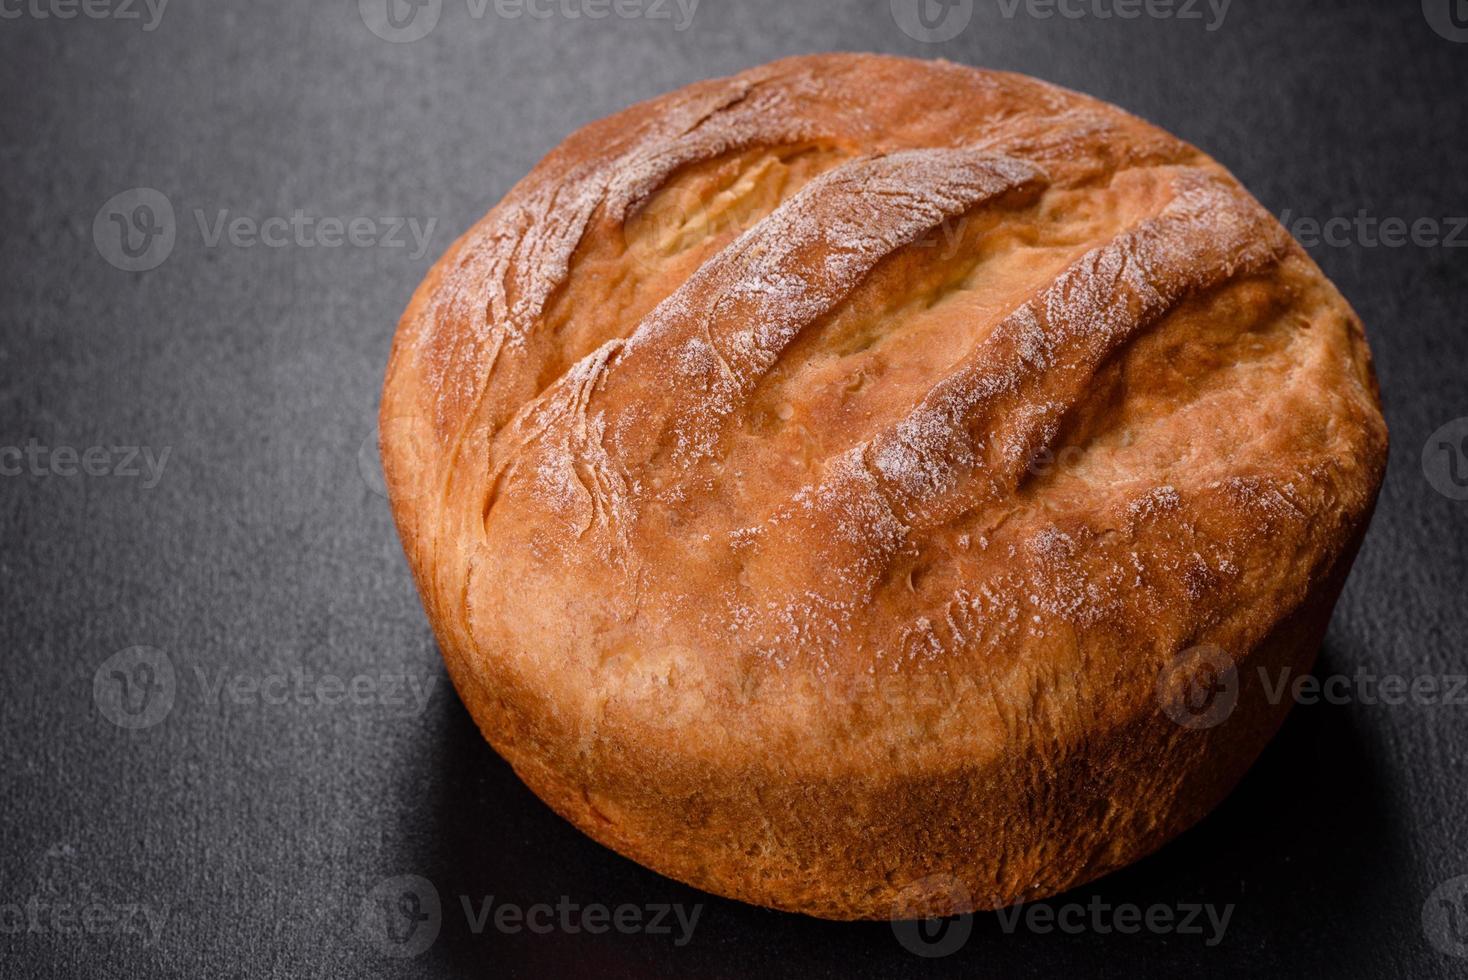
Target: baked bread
<point>814,476</point>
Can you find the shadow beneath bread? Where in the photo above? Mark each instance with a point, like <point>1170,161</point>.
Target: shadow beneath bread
<point>1302,867</point>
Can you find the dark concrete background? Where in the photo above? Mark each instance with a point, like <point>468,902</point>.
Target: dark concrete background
<point>255,831</point>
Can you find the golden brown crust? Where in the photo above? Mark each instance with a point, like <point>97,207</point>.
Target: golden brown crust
<point>808,475</point>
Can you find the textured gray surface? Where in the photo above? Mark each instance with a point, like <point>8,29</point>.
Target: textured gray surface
<point>254,831</point>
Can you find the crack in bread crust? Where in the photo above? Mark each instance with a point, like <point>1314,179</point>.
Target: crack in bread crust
<point>814,471</point>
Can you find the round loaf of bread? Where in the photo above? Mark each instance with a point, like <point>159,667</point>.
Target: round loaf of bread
<point>878,488</point>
